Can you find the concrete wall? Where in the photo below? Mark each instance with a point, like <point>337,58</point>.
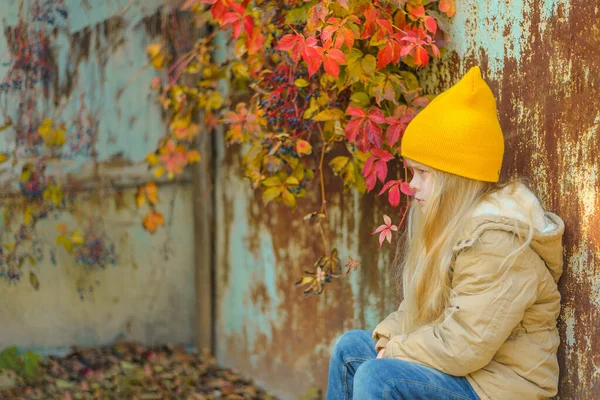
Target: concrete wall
<point>541,59</point>
<point>101,80</point>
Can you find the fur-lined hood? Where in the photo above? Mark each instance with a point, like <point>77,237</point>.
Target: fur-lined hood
<point>514,209</point>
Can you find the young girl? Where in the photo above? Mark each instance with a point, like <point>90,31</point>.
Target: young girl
<point>479,273</point>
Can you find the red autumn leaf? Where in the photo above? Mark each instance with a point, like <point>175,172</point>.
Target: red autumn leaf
<point>430,24</point>
<point>394,187</point>
<point>390,53</point>
<point>369,25</point>
<point>448,7</point>
<point>293,42</point>
<point>414,42</point>
<point>376,167</point>
<point>363,129</point>
<point>398,123</point>
<point>405,188</point>
<point>339,32</point>
<point>237,19</point>
<point>219,8</point>
<point>384,29</point>
<point>416,12</point>
<point>332,59</point>
<point>421,56</point>
<point>255,41</point>
<point>306,49</point>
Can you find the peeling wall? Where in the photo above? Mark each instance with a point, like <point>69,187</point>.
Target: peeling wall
<point>148,293</point>
<point>541,59</point>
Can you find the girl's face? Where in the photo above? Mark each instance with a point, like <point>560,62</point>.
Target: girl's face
<point>422,180</point>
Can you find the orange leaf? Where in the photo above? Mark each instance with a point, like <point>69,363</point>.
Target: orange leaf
<point>448,7</point>
<point>303,147</point>
<point>153,220</point>
<point>152,193</point>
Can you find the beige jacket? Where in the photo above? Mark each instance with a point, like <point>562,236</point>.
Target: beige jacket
<point>502,332</point>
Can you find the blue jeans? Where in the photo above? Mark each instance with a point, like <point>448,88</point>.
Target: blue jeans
<point>355,373</point>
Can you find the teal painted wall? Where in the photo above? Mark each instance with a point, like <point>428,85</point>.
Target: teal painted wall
<point>100,82</point>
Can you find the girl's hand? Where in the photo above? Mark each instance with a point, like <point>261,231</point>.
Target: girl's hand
<point>380,355</point>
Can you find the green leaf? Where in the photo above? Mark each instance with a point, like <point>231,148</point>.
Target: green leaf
<point>369,64</point>
<point>31,365</point>
<point>62,384</point>
<point>9,358</point>
<point>410,80</point>
<point>331,114</point>
<point>354,66</point>
<point>297,16</point>
<point>272,193</point>
<point>301,83</point>
<point>360,99</point>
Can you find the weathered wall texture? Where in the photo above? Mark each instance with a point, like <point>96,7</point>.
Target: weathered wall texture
<point>542,60</point>
<point>102,79</point>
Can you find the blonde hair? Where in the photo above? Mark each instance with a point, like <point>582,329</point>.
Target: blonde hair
<point>424,256</point>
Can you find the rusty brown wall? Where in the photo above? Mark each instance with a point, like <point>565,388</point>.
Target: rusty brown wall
<point>542,60</point>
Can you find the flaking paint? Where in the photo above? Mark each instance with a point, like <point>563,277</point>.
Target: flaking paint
<point>148,295</point>
<point>541,61</point>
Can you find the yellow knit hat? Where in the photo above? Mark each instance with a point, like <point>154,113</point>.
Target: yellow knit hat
<point>459,132</point>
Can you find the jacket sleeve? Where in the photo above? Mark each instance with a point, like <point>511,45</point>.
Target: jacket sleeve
<point>389,327</point>
<point>488,305</point>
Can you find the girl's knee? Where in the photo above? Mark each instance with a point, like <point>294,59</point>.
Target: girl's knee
<point>368,382</point>
<point>348,340</point>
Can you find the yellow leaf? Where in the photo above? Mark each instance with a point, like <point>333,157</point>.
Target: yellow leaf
<point>31,260</point>
<point>338,163</point>
<point>64,241</point>
<point>214,101</point>
<point>9,246</point>
<point>154,52</point>
<point>271,193</point>
<point>323,99</point>
<point>33,279</point>
<point>54,194</point>
<point>272,181</point>
<point>158,172</point>
<point>330,114</point>
<point>77,237</point>
<point>180,121</point>
<point>301,83</point>
<point>140,197</point>
<point>292,181</point>
<point>4,157</point>
<point>60,136</point>
<point>193,156</point>
<point>288,198</point>
<point>27,217</point>
<point>45,126</point>
<point>312,109</point>
<point>152,159</point>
